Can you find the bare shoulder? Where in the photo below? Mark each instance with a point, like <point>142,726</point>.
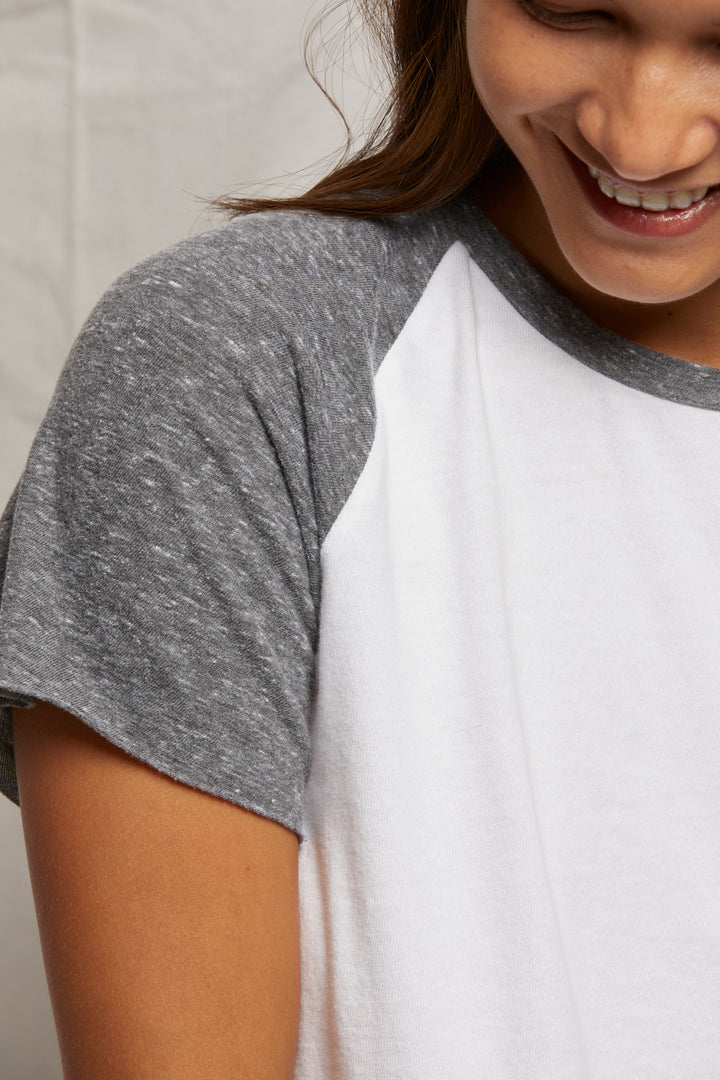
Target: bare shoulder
<point>168,917</point>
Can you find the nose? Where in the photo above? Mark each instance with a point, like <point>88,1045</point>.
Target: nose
<point>649,118</point>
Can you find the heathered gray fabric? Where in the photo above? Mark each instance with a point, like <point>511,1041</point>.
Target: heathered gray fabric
<point>160,561</point>
<point>561,322</point>
<point>162,571</point>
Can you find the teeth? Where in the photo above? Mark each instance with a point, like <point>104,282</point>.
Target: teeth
<point>606,187</point>
<point>656,201</point>
<point>627,196</point>
<point>680,200</point>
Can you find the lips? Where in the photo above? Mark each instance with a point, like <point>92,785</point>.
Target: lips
<point>649,223</point>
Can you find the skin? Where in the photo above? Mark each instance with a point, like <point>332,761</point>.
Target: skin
<point>168,918</point>
<point>633,88</point>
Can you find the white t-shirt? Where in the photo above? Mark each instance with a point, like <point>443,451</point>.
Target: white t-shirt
<point>473,592</point>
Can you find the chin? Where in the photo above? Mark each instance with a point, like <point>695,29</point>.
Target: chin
<point>634,292</point>
<point>624,279</point>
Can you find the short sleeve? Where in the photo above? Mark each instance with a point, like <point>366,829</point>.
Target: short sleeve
<point>160,556</point>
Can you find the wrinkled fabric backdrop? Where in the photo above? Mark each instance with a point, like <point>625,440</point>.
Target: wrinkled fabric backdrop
<point>117,118</point>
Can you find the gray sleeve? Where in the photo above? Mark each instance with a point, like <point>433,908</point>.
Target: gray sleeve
<point>161,554</point>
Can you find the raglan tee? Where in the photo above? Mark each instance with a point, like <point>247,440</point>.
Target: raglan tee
<point>362,526</point>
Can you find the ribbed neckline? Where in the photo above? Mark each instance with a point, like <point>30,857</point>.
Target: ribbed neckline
<point>561,322</point>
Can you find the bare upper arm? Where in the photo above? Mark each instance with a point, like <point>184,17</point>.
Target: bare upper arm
<point>168,918</point>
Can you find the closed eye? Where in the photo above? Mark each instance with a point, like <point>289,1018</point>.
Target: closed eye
<point>569,20</point>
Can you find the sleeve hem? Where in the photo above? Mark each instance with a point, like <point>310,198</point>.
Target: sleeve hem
<point>240,795</point>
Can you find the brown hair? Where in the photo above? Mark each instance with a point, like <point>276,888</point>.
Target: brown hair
<point>433,138</point>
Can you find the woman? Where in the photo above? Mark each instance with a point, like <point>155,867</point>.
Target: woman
<point>396,528</point>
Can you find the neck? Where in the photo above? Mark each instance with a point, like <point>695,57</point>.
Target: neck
<point>688,329</point>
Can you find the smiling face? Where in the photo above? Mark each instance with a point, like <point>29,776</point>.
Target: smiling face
<point>613,112</point>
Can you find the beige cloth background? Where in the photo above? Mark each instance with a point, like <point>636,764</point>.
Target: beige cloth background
<point>115,116</point>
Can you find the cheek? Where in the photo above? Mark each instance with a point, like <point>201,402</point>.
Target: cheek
<point>517,72</point>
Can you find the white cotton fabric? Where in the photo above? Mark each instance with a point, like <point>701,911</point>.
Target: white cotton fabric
<point>513,819</point>
<point>440,558</point>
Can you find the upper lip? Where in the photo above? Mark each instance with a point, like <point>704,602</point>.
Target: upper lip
<point>642,189</point>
